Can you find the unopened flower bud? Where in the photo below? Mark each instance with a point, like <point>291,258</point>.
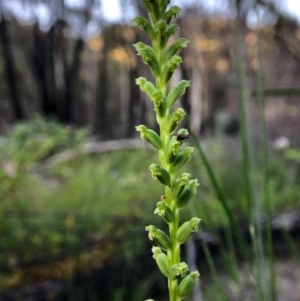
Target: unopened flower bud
<point>160,174</point>
<point>149,135</point>
<point>186,285</point>
<point>186,229</point>
<point>158,236</point>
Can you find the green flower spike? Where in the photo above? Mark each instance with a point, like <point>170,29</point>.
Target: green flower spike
<point>163,59</point>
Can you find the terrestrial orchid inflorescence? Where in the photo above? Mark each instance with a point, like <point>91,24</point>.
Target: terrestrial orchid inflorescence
<point>163,59</point>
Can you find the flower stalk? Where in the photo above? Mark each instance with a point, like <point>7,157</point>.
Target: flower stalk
<point>162,58</point>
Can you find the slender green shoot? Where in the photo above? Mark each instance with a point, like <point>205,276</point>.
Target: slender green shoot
<point>249,171</point>
<point>263,150</point>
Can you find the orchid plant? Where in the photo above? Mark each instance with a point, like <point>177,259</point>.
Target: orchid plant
<point>162,58</point>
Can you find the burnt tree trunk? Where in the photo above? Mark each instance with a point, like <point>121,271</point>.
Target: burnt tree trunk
<point>101,101</point>
<point>10,70</point>
<point>71,80</point>
<point>42,60</point>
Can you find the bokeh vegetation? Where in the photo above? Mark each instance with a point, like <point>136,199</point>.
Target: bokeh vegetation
<point>91,210</point>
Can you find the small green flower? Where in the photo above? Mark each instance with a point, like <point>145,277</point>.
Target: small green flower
<point>148,57</point>
<point>186,229</point>
<point>161,261</point>
<point>160,237</point>
<point>146,86</point>
<point>175,119</point>
<point>180,183</point>
<point>170,66</point>
<point>159,103</point>
<point>186,194</point>
<point>179,270</point>
<point>175,48</point>
<point>164,211</point>
<point>182,158</point>
<point>174,149</point>
<point>186,285</point>
<point>160,174</point>
<point>172,13</point>
<point>149,135</point>
<point>145,25</point>
<point>176,92</point>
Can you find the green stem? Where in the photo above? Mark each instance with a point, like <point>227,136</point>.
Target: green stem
<point>174,255</point>
<point>265,167</point>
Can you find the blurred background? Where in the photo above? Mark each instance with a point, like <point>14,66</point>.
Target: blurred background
<point>75,193</point>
